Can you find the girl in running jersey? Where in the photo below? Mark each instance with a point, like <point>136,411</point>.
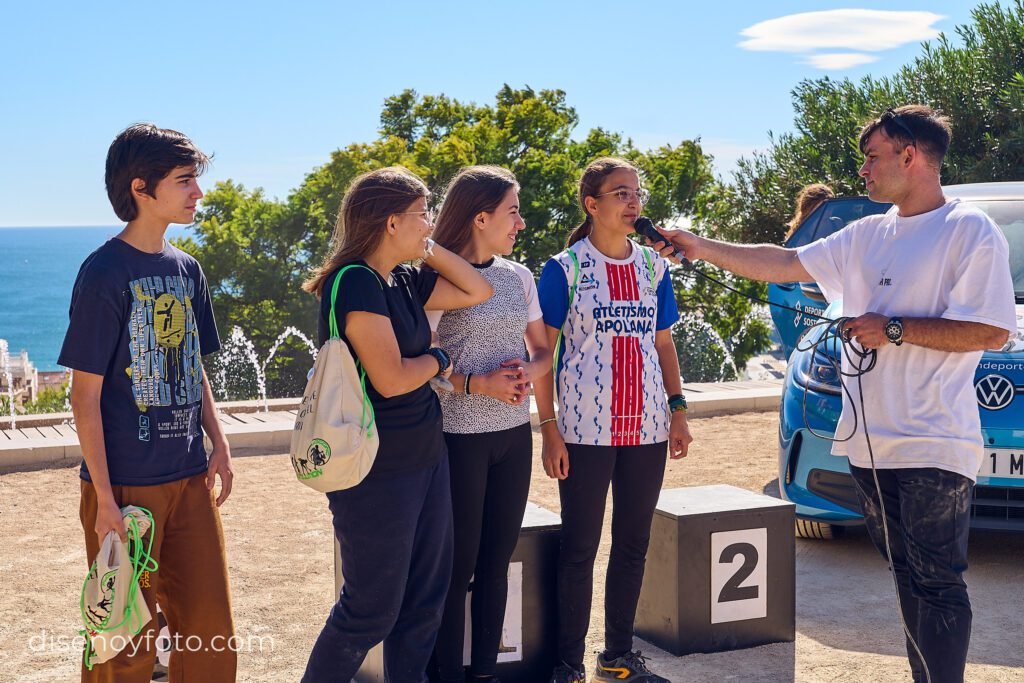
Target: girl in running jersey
<point>497,348</point>
<point>609,307</point>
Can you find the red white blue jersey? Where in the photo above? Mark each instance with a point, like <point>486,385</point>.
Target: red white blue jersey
<point>609,384</point>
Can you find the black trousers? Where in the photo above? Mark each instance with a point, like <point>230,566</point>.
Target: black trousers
<point>928,512</point>
<point>635,474</point>
<point>395,533</point>
<point>490,481</point>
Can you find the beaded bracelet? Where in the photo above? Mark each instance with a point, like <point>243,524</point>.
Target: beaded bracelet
<point>544,422</point>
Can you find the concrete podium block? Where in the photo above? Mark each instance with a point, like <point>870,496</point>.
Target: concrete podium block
<point>721,571</point>
<point>528,649</point>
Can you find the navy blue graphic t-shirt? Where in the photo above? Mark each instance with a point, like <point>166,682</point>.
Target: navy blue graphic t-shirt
<point>142,321</point>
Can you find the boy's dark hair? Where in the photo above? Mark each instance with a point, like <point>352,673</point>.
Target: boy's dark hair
<point>913,124</point>
<point>150,153</point>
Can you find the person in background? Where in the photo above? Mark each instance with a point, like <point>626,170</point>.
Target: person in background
<point>807,200</point>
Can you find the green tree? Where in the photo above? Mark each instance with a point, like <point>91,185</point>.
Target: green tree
<point>49,400</point>
<point>257,251</point>
<point>975,79</point>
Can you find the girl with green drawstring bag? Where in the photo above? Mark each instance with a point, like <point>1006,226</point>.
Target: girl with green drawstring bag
<point>112,607</point>
<point>334,442</point>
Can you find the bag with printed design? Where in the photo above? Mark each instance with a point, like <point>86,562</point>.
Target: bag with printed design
<point>334,442</point>
<point>112,606</point>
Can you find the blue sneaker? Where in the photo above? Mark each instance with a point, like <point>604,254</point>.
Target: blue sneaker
<point>629,668</point>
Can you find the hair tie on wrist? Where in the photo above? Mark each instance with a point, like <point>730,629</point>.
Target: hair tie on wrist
<point>465,385</point>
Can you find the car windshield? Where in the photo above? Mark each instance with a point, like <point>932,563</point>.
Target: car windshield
<point>1009,215</point>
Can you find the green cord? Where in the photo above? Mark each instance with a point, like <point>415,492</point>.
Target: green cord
<point>141,560</point>
<point>336,333</point>
<point>572,295</point>
<point>367,405</point>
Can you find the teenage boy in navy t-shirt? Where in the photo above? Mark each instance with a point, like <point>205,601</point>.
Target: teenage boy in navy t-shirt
<point>140,320</point>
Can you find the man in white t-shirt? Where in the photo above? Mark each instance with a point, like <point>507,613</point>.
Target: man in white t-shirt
<point>928,286</point>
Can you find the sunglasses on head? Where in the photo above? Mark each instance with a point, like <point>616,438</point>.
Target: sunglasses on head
<point>890,115</point>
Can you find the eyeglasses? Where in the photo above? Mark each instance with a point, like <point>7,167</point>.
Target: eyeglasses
<point>890,115</point>
<point>641,196</point>
<point>428,214</point>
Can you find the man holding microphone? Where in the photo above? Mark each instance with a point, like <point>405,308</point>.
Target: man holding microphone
<point>928,286</point>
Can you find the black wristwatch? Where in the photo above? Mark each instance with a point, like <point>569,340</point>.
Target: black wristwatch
<point>443,361</point>
<point>894,331</point>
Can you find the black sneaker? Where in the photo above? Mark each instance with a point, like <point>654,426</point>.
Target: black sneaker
<point>564,673</point>
<point>629,668</point>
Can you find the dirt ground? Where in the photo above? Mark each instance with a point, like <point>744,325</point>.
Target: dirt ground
<point>280,554</point>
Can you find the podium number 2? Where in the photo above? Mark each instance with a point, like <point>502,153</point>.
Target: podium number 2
<point>739,575</point>
<point>732,590</point>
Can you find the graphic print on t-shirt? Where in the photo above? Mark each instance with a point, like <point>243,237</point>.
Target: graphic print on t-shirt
<point>165,362</point>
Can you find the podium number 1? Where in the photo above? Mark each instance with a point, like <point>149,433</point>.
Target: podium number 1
<point>739,575</point>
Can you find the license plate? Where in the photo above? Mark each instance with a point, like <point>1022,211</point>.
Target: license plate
<point>1003,462</point>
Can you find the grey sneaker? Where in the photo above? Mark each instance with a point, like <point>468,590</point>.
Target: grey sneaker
<point>629,668</point>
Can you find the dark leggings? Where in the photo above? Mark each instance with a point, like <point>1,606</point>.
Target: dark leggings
<point>635,474</point>
<point>490,480</point>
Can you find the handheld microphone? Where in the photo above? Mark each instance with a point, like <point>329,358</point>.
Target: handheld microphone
<point>645,226</point>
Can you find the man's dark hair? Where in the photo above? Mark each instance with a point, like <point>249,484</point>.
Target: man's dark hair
<point>915,125</point>
<point>150,153</point>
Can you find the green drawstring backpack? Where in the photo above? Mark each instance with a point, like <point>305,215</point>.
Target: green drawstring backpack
<point>112,607</point>
<point>334,442</point>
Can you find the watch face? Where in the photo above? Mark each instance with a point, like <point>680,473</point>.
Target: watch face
<point>894,330</point>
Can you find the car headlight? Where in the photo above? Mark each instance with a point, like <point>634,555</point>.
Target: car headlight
<point>819,372</point>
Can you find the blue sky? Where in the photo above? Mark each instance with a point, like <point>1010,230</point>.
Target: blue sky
<point>273,87</point>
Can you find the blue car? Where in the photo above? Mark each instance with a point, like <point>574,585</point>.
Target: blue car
<point>818,482</point>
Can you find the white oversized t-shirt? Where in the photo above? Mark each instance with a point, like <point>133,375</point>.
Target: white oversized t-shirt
<point>950,263</point>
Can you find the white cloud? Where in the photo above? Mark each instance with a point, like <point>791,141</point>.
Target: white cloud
<point>861,30</point>
<point>836,61</point>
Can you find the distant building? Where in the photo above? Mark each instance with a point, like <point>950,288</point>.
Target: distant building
<point>24,377</point>
<point>52,379</point>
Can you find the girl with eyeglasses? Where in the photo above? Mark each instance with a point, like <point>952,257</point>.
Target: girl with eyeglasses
<point>394,528</point>
<point>609,307</point>
<point>498,348</point>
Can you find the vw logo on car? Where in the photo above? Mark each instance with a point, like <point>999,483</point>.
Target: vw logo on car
<point>994,392</point>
